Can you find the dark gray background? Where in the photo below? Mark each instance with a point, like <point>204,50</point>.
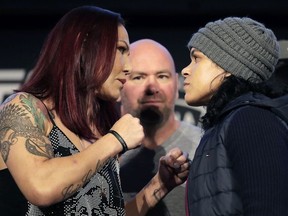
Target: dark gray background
<point>25,24</point>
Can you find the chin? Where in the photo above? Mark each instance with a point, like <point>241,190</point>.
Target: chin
<point>111,97</point>
<point>115,99</point>
<point>192,102</point>
<point>188,100</point>
<point>196,103</point>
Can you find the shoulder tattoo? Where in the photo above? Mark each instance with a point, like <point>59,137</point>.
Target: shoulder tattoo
<point>17,125</point>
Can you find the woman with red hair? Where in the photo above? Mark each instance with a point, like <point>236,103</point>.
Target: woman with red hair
<point>61,134</point>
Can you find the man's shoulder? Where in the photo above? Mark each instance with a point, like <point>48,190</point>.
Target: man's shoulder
<point>189,128</point>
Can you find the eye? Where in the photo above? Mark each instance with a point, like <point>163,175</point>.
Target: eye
<point>122,49</point>
<point>137,77</point>
<point>163,76</point>
<point>196,56</point>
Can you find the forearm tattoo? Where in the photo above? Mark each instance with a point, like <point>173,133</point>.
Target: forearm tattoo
<point>73,188</point>
<point>16,124</point>
<point>156,194</point>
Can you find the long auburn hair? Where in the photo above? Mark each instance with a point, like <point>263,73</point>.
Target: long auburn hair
<point>76,59</point>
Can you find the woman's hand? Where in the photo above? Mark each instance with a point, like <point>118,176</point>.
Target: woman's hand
<point>174,168</point>
<point>130,129</point>
<point>173,171</point>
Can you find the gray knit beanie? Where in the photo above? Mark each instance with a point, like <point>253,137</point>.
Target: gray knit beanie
<point>241,46</point>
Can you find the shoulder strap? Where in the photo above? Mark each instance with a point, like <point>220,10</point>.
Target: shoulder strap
<point>51,118</point>
<point>49,113</point>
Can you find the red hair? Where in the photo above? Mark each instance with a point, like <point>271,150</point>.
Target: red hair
<point>74,62</point>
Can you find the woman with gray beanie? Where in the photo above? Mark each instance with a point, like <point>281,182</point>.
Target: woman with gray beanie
<point>241,164</point>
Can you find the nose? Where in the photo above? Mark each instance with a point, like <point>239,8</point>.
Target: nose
<point>152,86</point>
<point>151,90</point>
<point>127,67</point>
<point>185,71</point>
<point>127,72</point>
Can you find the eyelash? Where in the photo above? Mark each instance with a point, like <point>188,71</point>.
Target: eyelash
<point>194,58</point>
<point>121,49</point>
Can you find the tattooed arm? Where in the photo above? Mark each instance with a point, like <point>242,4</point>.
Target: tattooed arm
<point>27,152</point>
<point>173,171</point>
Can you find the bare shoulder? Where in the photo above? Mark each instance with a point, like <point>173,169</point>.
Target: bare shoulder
<point>23,108</point>
<point>24,122</point>
<point>20,106</point>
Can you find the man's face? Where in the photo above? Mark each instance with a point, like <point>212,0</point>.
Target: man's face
<point>152,84</point>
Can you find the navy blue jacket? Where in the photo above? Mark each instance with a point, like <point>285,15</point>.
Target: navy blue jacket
<point>240,166</point>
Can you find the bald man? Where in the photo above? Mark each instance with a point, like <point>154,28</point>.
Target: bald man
<point>150,93</point>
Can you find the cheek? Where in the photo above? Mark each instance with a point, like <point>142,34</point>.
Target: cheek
<point>107,82</point>
<point>130,93</point>
<point>206,77</point>
<point>171,93</point>
<point>127,98</point>
<point>216,78</point>
<point>109,90</point>
<point>118,65</point>
<point>103,92</point>
<point>198,80</point>
<point>199,92</point>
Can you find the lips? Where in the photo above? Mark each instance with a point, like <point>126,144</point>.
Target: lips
<point>122,81</point>
<point>185,85</point>
<point>151,101</point>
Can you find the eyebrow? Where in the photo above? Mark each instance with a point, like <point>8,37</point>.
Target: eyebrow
<point>192,52</point>
<point>196,52</point>
<point>124,43</point>
<point>170,73</point>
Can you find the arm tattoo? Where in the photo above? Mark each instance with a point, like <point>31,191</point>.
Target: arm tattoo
<point>73,188</point>
<point>156,194</point>
<point>16,124</point>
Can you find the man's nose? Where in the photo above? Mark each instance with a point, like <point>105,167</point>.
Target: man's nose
<point>152,86</point>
